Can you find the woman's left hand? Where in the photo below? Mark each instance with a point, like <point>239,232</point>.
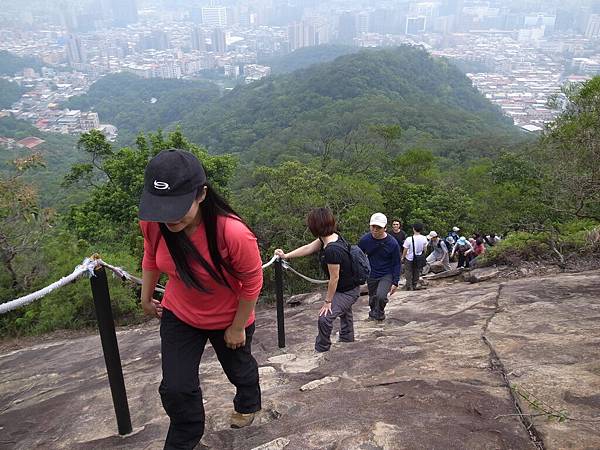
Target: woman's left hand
<point>235,337</point>
<point>326,308</point>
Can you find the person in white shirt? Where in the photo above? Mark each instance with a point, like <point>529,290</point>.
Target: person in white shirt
<point>414,256</point>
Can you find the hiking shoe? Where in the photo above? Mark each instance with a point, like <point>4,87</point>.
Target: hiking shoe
<point>240,420</point>
<point>420,288</point>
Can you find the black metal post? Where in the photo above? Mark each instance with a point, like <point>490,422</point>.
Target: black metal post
<point>279,297</point>
<point>110,347</point>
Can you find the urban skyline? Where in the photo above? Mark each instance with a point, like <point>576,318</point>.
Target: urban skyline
<point>518,54</point>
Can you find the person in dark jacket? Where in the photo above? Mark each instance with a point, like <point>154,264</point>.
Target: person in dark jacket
<point>383,252</point>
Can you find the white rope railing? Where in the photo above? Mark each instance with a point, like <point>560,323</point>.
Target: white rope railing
<point>86,266</point>
<point>271,261</point>
<point>89,264</point>
<point>286,266</point>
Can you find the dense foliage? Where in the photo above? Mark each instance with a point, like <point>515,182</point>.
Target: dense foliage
<point>429,98</point>
<point>58,152</point>
<point>543,196</point>
<point>305,57</point>
<point>10,63</point>
<point>135,105</point>
<point>286,116</point>
<point>9,93</point>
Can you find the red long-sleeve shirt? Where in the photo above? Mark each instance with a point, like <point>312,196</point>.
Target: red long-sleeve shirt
<point>215,310</point>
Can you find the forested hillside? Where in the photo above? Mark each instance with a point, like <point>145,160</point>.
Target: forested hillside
<point>419,146</point>
<point>289,116</point>
<point>58,153</point>
<point>306,57</point>
<point>10,63</point>
<point>135,105</point>
<point>284,116</point>
<point>9,93</point>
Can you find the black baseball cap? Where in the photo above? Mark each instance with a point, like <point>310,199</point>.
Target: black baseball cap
<point>171,181</point>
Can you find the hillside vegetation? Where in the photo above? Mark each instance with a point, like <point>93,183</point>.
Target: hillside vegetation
<point>543,196</point>
<point>135,105</point>
<point>10,63</point>
<point>9,93</point>
<point>288,116</point>
<point>429,98</point>
<point>306,57</point>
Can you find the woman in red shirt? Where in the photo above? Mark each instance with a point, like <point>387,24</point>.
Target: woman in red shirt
<point>215,276</point>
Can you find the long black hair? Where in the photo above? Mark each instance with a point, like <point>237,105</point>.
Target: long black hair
<point>183,251</point>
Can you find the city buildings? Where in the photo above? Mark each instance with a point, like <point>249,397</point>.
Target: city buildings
<point>517,57</point>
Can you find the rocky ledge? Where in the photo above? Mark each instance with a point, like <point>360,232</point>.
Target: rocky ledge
<point>492,365</point>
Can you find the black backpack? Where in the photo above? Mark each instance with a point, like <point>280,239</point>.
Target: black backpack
<point>361,268</point>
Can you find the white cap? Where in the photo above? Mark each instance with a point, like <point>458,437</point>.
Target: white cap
<point>455,229</point>
<point>432,235</point>
<point>378,219</point>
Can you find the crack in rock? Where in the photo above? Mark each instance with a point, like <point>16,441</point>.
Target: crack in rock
<point>496,365</point>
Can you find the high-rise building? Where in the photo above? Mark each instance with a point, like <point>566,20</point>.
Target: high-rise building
<point>75,52</point>
<point>198,42</point>
<point>214,16</point>
<point>219,42</point>
<point>592,31</point>
<point>307,34</point>
<point>565,20</point>
<point>347,28</point>
<point>68,18</point>
<point>362,22</point>
<point>124,12</point>
<point>415,24</point>
<point>160,39</point>
<point>156,40</point>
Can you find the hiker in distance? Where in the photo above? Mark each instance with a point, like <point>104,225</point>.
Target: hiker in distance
<point>343,289</point>
<point>438,259</point>
<point>414,255</point>
<point>383,252</point>
<point>214,273</point>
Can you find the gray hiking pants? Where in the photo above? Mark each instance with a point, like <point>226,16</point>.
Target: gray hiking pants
<point>341,306</point>
<point>378,292</point>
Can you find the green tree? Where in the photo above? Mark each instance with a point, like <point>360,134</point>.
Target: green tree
<point>438,207</point>
<point>110,213</point>
<point>569,154</point>
<point>22,225</point>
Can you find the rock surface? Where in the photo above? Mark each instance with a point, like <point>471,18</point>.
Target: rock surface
<point>433,375</point>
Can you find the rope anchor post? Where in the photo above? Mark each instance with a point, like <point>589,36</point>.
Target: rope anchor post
<point>110,347</point>
<point>279,296</point>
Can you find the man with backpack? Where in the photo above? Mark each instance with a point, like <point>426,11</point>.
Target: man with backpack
<point>383,252</point>
<point>346,272</point>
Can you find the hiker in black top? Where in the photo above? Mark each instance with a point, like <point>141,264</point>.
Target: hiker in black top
<point>342,292</point>
<point>398,233</point>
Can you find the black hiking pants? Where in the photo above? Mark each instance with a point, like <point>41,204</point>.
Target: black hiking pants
<point>182,346</point>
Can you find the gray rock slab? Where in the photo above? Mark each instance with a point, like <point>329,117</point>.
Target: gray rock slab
<point>547,335</point>
<point>479,275</point>
<point>422,379</point>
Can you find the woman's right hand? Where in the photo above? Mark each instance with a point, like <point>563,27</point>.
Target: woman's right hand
<point>280,253</point>
<point>152,308</point>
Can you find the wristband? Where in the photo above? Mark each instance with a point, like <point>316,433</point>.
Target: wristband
<point>327,301</point>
